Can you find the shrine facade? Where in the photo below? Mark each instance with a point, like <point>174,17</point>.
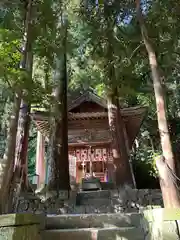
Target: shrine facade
<point>89,138</point>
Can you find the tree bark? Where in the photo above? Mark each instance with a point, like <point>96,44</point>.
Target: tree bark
<point>168,187</point>
<point>24,115</point>
<point>64,179</point>
<point>22,144</point>
<point>8,159</point>
<point>59,162</point>
<point>51,175</point>
<point>21,164</point>
<point>22,136</point>
<point>123,174</point>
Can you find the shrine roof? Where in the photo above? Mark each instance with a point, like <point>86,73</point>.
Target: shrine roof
<point>133,116</point>
<point>87,96</point>
<point>125,112</point>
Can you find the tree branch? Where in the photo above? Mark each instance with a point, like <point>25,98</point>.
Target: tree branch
<point>136,49</point>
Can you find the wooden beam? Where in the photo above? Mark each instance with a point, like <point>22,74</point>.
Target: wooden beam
<point>89,144</point>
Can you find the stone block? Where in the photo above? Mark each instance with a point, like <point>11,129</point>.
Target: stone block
<point>161,224</point>
<point>93,221</point>
<point>94,194</point>
<point>118,208</point>
<point>162,214</point>
<point>125,199</point>
<point>91,209</point>
<point>102,209</point>
<point>94,234</point>
<point>20,226</point>
<point>166,230</point>
<point>114,193</point>
<point>28,232</point>
<point>120,233</point>
<point>96,202</point>
<point>79,210</point>
<point>18,219</point>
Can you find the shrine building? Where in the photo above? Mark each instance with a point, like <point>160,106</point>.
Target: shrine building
<point>89,137</point>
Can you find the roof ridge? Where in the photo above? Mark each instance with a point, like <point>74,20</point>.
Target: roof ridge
<point>87,95</point>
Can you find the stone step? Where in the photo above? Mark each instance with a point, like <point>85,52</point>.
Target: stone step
<point>93,197</point>
<point>113,233</point>
<point>87,209</point>
<point>92,221</point>
<point>96,202</point>
<point>94,194</point>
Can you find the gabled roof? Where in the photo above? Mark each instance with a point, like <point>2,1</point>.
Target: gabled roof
<point>88,96</point>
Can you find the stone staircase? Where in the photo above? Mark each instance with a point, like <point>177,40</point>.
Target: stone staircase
<point>98,219</point>
<point>100,201</point>
<point>94,227</point>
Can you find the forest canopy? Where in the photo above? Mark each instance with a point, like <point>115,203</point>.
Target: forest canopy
<point>92,44</point>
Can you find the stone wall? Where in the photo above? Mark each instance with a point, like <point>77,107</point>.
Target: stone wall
<point>20,226</point>
<point>161,224</point>
<point>114,201</point>
<point>128,199</point>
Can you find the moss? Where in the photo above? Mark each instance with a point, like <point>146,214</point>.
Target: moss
<point>19,227</point>
<point>30,232</point>
<point>18,219</point>
<point>165,214</point>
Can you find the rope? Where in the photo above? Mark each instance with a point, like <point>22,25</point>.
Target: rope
<point>172,175</point>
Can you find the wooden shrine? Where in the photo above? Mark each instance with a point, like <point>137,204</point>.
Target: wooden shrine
<point>89,137</point>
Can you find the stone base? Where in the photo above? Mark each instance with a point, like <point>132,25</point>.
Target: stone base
<point>95,234</point>
<point>20,227</point>
<point>104,201</point>
<point>91,184</point>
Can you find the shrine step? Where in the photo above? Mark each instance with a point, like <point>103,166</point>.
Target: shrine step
<point>92,221</point>
<point>100,197</point>
<point>94,194</point>
<point>114,233</point>
<point>107,185</point>
<point>96,202</point>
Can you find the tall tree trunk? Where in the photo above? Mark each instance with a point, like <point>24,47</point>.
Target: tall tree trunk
<point>55,132</point>
<point>24,115</point>
<point>21,164</point>
<point>168,184</point>
<point>59,164</point>
<point>123,174</point>
<point>52,169</point>
<point>6,170</point>
<point>22,143</point>
<point>64,179</point>
<point>8,198</point>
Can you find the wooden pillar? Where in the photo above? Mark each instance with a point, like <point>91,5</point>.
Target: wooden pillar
<point>40,159</point>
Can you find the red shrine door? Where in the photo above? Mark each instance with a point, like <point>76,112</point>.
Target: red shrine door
<point>90,160</point>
